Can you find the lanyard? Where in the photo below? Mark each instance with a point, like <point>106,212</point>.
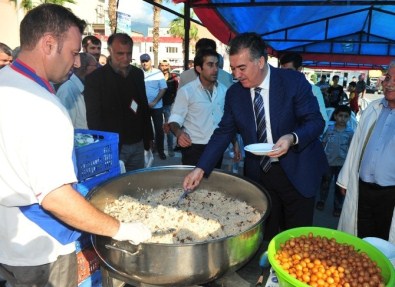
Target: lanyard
<point>28,72</point>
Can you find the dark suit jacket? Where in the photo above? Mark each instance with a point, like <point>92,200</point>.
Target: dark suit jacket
<point>293,108</point>
<point>108,98</point>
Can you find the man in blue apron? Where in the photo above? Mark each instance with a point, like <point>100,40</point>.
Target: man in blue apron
<point>41,215</point>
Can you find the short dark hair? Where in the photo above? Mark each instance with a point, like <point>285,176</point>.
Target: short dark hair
<point>205,43</point>
<point>251,41</point>
<point>342,108</point>
<point>122,37</point>
<point>352,84</point>
<point>90,38</point>
<point>47,18</point>
<point>201,55</point>
<point>295,58</point>
<point>323,77</point>
<point>5,49</point>
<point>335,77</point>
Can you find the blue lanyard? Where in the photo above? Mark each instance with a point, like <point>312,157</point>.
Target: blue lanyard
<point>23,69</point>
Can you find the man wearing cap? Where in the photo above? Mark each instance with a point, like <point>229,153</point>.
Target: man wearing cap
<point>155,86</point>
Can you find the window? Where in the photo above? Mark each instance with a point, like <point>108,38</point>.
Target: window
<point>171,50</point>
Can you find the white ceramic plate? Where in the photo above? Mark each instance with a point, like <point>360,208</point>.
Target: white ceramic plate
<point>259,148</point>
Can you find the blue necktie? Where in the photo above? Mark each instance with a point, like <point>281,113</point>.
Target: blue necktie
<point>261,126</point>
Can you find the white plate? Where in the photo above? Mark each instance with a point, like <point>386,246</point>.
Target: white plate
<point>260,148</point>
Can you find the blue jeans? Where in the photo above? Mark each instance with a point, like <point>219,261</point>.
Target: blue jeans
<point>157,119</point>
<point>169,136</point>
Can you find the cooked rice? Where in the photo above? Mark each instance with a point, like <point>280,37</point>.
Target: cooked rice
<point>203,215</point>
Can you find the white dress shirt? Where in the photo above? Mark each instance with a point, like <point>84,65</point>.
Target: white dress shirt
<point>197,112</point>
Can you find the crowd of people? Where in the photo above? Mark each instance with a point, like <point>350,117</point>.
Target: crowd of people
<point>51,87</point>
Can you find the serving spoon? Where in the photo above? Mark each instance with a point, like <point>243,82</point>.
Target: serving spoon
<point>183,195</point>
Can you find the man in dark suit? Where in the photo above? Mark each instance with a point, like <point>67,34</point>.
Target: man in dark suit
<point>293,125</point>
<point>116,101</point>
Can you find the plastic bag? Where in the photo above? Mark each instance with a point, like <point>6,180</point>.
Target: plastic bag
<point>148,158</point>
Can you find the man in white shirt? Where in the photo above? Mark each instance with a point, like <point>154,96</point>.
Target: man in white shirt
<point>198,108</point>
<point>189,75</point>
<point>41,213</point>
<point>70,93</point>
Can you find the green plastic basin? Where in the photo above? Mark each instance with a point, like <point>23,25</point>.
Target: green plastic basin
<point>285,280</point>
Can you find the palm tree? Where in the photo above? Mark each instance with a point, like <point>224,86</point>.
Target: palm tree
<point>29,4</point>
<point>177,29</point>
<point>112,14</point>
<point>155,31</point>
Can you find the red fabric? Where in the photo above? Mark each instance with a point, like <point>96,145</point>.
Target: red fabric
<point>213,21</point>
<point>354,102</point>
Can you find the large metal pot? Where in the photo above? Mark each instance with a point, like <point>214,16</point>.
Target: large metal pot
<point>179,264</point>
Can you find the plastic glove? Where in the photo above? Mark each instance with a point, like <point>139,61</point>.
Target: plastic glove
<point>135,232</point>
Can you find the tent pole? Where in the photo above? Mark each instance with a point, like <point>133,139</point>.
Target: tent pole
<point>187,26</point>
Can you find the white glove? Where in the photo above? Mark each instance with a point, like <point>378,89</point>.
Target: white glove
<point>135,232</point>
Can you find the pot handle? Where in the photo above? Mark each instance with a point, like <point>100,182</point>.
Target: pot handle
<point>109,246</point>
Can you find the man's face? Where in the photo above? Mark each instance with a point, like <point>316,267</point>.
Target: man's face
<point>64,55</point>
<point>209,71</point>
<point>249,72</point>
<point>4,60</point>
<point>94,50</point>
<point>146,65</point>
<point>389,87</point>
<point>121,54</point>
<point>164,67</point>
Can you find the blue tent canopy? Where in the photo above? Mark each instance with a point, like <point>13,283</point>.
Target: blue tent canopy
<point>333,33</point>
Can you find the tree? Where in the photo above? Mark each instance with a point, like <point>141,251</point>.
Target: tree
<point>112,14</point>
<point>155,31</point>
<point>177,30</point>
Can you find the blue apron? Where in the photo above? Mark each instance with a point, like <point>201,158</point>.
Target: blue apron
<point>62,232</point>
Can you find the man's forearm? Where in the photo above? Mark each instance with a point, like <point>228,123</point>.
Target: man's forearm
<point>175,129</point>
<point>159,96</point>
<point>69,206</point>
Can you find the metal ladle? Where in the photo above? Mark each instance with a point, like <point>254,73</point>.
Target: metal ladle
<point>183,195</point>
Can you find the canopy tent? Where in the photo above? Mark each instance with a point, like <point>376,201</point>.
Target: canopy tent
<point>333,34</point>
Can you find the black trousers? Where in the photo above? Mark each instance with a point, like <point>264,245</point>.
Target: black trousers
<point>289,209</point>
<point>338,199</point>
<point>157,119</point>
<point>63,272</point>
<point>375,209</point>
<point>191,155</point>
